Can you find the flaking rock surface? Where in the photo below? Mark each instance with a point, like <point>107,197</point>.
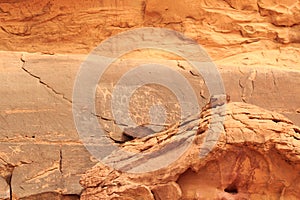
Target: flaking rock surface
<point>255,156</point>
<point>228,28</point>
<point>255,44</point>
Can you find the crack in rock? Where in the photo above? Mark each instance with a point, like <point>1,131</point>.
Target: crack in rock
<point>42,82</point>
<point>60,161</point>
<point>8,176</point>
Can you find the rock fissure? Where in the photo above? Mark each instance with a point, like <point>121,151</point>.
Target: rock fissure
<point>10,185</point>
<point>60,161</point>
<point>43,83</point>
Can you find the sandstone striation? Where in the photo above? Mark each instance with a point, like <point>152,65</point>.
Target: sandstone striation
<point>37,127</point>
<point>255,44</point>
<point>257,156</point>
<point>225,28</point>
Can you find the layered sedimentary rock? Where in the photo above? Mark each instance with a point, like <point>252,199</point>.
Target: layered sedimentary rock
<point>38,134</point>
<point>256,156</point>
<point>225,28</point>
<point>38,142</point>
<point>255,45</point>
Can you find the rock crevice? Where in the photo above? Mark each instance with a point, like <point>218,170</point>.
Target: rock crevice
<point>42,82</point>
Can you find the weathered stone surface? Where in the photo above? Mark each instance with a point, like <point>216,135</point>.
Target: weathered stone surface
<point>257,156</point>
<point>36,109</point>
<point>255,44</point>
<point>34,168</point>
<point>51,195</point>
<point>4,189</point>
<point>44,168</point>
<point>167,191</point>
<point>38,170</point>
<point>138,132</point>
<point>241,26</point>
<point>266,87</point>
<point>75,159</point>
<point>39,142</point>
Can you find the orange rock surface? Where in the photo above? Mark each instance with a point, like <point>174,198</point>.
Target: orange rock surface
<point>255,45</point>
<point>257,156</point>
<point>233,29</point>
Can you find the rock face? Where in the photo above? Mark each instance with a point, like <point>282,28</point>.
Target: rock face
<point>4,188</point>
<point>226,28</point>
<point>38,142</point>
<point>257,156</point>
<point>255,45</point>
<point>40,148</point>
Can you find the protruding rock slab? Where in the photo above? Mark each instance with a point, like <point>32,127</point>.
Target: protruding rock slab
<point>256,156</point>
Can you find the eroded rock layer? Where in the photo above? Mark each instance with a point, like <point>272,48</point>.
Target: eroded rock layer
<point>257,156</point>
<point>37,128</point>
<point>255,44</point>
<point>226,28</point>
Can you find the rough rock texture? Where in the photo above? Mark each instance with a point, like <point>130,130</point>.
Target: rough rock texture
<point>4,188</point>
<point>256,157</point>
<point>37,127</point>
<point>255,45</point>
<point>39,143</point>
<point>225,28</point>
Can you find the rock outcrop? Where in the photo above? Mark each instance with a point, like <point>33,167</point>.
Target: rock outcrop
<point>225,28</point>
<point>37,127</point>
<point>255,44</point>
<point>257,156</point>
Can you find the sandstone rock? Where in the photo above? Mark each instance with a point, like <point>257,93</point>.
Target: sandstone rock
<point>254,43</point>
<point>38,170</point>
<point>36,110</point>
<point>4,189</point>
<point>138,132</point>
<point>44,171</point>
<point>257,156</point>
<point>75,159</point>
<point>167,191</point>
<point>280,13</point>
<point>50,195</point>
<point>38,140</point>
<point>118,137</point>
<point>242,26</point>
